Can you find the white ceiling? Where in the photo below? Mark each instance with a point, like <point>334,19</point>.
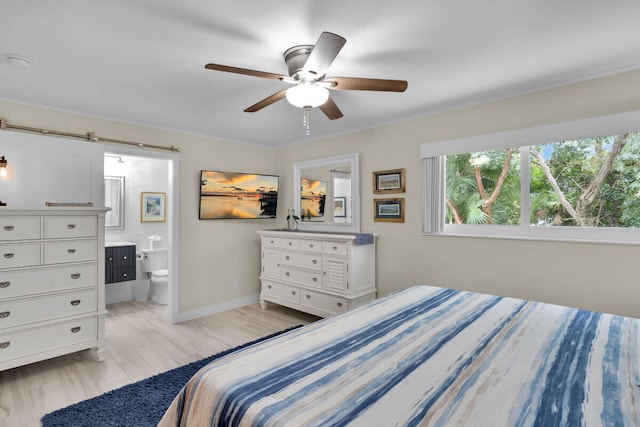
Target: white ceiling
<point>142,61</point>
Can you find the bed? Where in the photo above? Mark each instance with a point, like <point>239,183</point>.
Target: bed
<point>428,356</point>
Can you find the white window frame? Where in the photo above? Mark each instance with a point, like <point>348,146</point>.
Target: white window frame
<point>434,153</point>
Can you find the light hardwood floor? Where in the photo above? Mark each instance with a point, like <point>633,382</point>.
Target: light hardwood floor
<point>140,344</point>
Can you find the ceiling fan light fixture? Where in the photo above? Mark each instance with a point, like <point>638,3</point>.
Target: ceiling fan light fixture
<point>307,95</point>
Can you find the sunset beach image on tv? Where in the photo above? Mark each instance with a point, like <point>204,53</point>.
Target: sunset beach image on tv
<point>312,197</point>
<point>226,195</point>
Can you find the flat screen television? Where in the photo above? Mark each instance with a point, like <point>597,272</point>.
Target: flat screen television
<point>313,194</point>
<point>233,195</point>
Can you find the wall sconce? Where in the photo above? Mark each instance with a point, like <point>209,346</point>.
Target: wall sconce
<point>3,167</point>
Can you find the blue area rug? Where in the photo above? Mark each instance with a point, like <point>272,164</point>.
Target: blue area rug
<point>135,405</point>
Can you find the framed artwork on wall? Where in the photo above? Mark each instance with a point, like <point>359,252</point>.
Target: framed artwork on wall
<point>153,207</point>
<point>237,195</point>
<point>339,207</point>
<point>389,181</point>
<point>388,210</point>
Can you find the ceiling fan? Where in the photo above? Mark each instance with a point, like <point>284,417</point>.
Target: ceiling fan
<point>307,66</point>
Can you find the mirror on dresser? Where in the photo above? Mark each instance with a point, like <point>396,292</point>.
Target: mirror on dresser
<point>326,193</point>
<point>114,199</point>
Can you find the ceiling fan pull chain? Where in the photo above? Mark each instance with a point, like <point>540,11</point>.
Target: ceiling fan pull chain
<point>305,121</point>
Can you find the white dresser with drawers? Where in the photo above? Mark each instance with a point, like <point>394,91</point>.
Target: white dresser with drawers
<point>318,273</point>
<point>51,283</point>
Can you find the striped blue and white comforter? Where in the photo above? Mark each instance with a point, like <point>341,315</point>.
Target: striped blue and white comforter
<point>429,356</point>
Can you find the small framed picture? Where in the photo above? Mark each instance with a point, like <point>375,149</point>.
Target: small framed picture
<point>388,210</point>
<point>389,181</point>
<point>339,206</point>
<point>153,207</point>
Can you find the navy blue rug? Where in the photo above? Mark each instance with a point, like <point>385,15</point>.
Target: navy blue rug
<point>135,405</point>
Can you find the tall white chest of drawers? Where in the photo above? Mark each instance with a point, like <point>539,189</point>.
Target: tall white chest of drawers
<point>51,283</point>
<point>318,273</point>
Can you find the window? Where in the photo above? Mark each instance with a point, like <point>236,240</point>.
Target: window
<point>570,181</point>
<point>483,187</point>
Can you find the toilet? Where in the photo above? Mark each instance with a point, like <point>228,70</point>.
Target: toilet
<point>155,263</point>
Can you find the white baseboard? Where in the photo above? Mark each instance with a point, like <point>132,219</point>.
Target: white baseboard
<point>218,308</point>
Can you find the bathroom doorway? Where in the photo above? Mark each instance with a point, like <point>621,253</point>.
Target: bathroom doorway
<point>130,176</point>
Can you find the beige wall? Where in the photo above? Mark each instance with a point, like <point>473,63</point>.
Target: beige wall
<point>593,276</point>
<point>212,253</point>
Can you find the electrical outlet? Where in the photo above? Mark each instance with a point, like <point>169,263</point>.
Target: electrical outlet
<point>236,282</point>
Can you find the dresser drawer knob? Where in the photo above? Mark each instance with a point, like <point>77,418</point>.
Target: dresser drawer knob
<point>4,314</point>
<point>125,257</point>
<point>124,274</point>
<point>8,228</point>
<point>272,242</point>
<point>339,304</point>
<point>75,302</point>
<point>71,251</point>
<point>8,255</point>
<point>287,274</point>
<point>315,279</point>
<point>269,286</point>
<point>290,243</point>
<point>315,261</point>
<point>71,226</point>
<point>335,248</point>
<point>75,276</point>
<point>310,245</point>
<point>5,344</point>
<point>4,284</point>
<point>286,257</point>
<point>293,292</point>
<point>110,259</point>
<point>308,296</point>
<point>76,329</point>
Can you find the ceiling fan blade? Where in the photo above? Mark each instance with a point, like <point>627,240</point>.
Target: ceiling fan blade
<point>266,102</point>
<point>331,110</point>
<point>324,52</point>
<point>355,83</point>
<point>245,71</point>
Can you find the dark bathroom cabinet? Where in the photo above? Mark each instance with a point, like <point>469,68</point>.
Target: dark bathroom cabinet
<point>120,263</point>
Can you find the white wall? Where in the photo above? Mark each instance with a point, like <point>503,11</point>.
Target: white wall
<point>50,169</point>
<point>142,174</point>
